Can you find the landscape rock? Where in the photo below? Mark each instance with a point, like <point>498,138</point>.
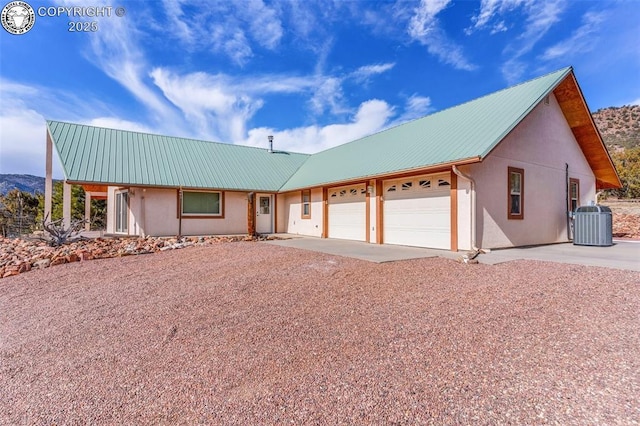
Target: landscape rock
<point>22,255</point>
<point>42,263</point>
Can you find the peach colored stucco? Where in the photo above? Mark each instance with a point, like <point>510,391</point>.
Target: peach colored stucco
<point>290,213</point>
<point>541,145</point>
<point>153,211</point>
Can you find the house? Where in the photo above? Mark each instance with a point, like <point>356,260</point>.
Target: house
<point>502,170</point>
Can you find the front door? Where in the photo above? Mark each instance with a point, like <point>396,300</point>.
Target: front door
<point>264,214</point>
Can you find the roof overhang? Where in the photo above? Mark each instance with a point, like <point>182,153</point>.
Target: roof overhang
<point>433,168</point>
<point>576,112</point>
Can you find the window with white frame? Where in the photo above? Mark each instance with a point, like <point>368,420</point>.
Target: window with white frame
<point>574,194</point>
<point>122,212</point>
<point>516,193</point>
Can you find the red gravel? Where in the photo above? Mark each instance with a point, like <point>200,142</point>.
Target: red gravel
<point>249,333</point>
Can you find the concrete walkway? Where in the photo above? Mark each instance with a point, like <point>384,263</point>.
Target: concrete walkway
<point>622,255</point>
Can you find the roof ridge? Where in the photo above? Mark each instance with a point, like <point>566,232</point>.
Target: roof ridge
<point>169,136</point>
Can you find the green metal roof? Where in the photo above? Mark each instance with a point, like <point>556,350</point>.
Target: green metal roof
<point>467,131</point>
<point>98,155</point>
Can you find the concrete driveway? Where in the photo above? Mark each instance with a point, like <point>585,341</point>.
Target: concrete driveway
<point>622,255</point>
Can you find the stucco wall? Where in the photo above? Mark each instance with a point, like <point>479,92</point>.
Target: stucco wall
<point>541,145</point>
<point>290,205</point>
<point>133,228</point>
<point>154,211</point>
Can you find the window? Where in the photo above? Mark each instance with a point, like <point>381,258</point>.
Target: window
<point>516,193</point>
<point>425,184</point>
<point>407,186</point>
<point>122,211</point>
<point>442,182</point>
<point>574,194</point>
<point>201,203</point>
<point>306,204</point>
<point>392,188</point>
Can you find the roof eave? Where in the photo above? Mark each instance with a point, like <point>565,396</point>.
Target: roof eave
<point>433,168</point>
<point>576,112</point>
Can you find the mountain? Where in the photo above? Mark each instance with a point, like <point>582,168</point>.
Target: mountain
<point>619,126</point>
<point>27,183</point>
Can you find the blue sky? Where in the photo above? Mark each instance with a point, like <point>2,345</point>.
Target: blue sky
<point>313,74</point>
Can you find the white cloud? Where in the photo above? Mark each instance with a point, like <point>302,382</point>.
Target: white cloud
<point>489,9</point>
<point>500,27</point>
<point>328,96</point>
<point>179,24</point>
<point>372,116</point>
<point>231,27</point>
<point>118,123</point>
<point>217,110</point>
<point>23,124</point>
<point>581,40</point>
<point>416,107</point>
<point>541,16</point>
<point>264,22</point>
<point>425,28</point>
<point>363,73</point>
<point>22,139</point>
<point>115,51</point>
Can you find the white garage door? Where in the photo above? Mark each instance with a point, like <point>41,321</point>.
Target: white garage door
<point>347,212</point>
<point>417,211</point>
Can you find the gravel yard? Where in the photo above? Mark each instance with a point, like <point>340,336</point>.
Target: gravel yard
<point>249,333</point>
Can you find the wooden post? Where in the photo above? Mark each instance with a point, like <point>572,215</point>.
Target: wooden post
<point>180,212</point>
<point>251,214</point>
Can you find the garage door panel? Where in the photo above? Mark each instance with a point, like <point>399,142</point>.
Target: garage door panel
<point>347,213</point>
<point>416,215</point>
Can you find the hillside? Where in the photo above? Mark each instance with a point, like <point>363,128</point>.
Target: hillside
<point>619,126</point>
<point>27,183</point>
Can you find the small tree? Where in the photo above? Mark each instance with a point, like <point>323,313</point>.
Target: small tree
<point>18,212</point>
<point>628,165</point>
<point>56,234</point>
<point>98,207</point>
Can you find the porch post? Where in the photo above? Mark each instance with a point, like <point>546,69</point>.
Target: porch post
<point>66,205</point>
<point>251,214</point>
<point>48,181</point>
<point>87,211</point>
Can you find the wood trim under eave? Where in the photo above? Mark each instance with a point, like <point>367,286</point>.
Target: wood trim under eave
<point>586,114</point>
<point>367,212</point>
<point>275,213</point>
<point>325,212</point>
<point>453,194</point>
<point>379,211</point>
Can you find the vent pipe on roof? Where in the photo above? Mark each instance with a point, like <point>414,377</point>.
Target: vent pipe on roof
<point>270,143</point>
